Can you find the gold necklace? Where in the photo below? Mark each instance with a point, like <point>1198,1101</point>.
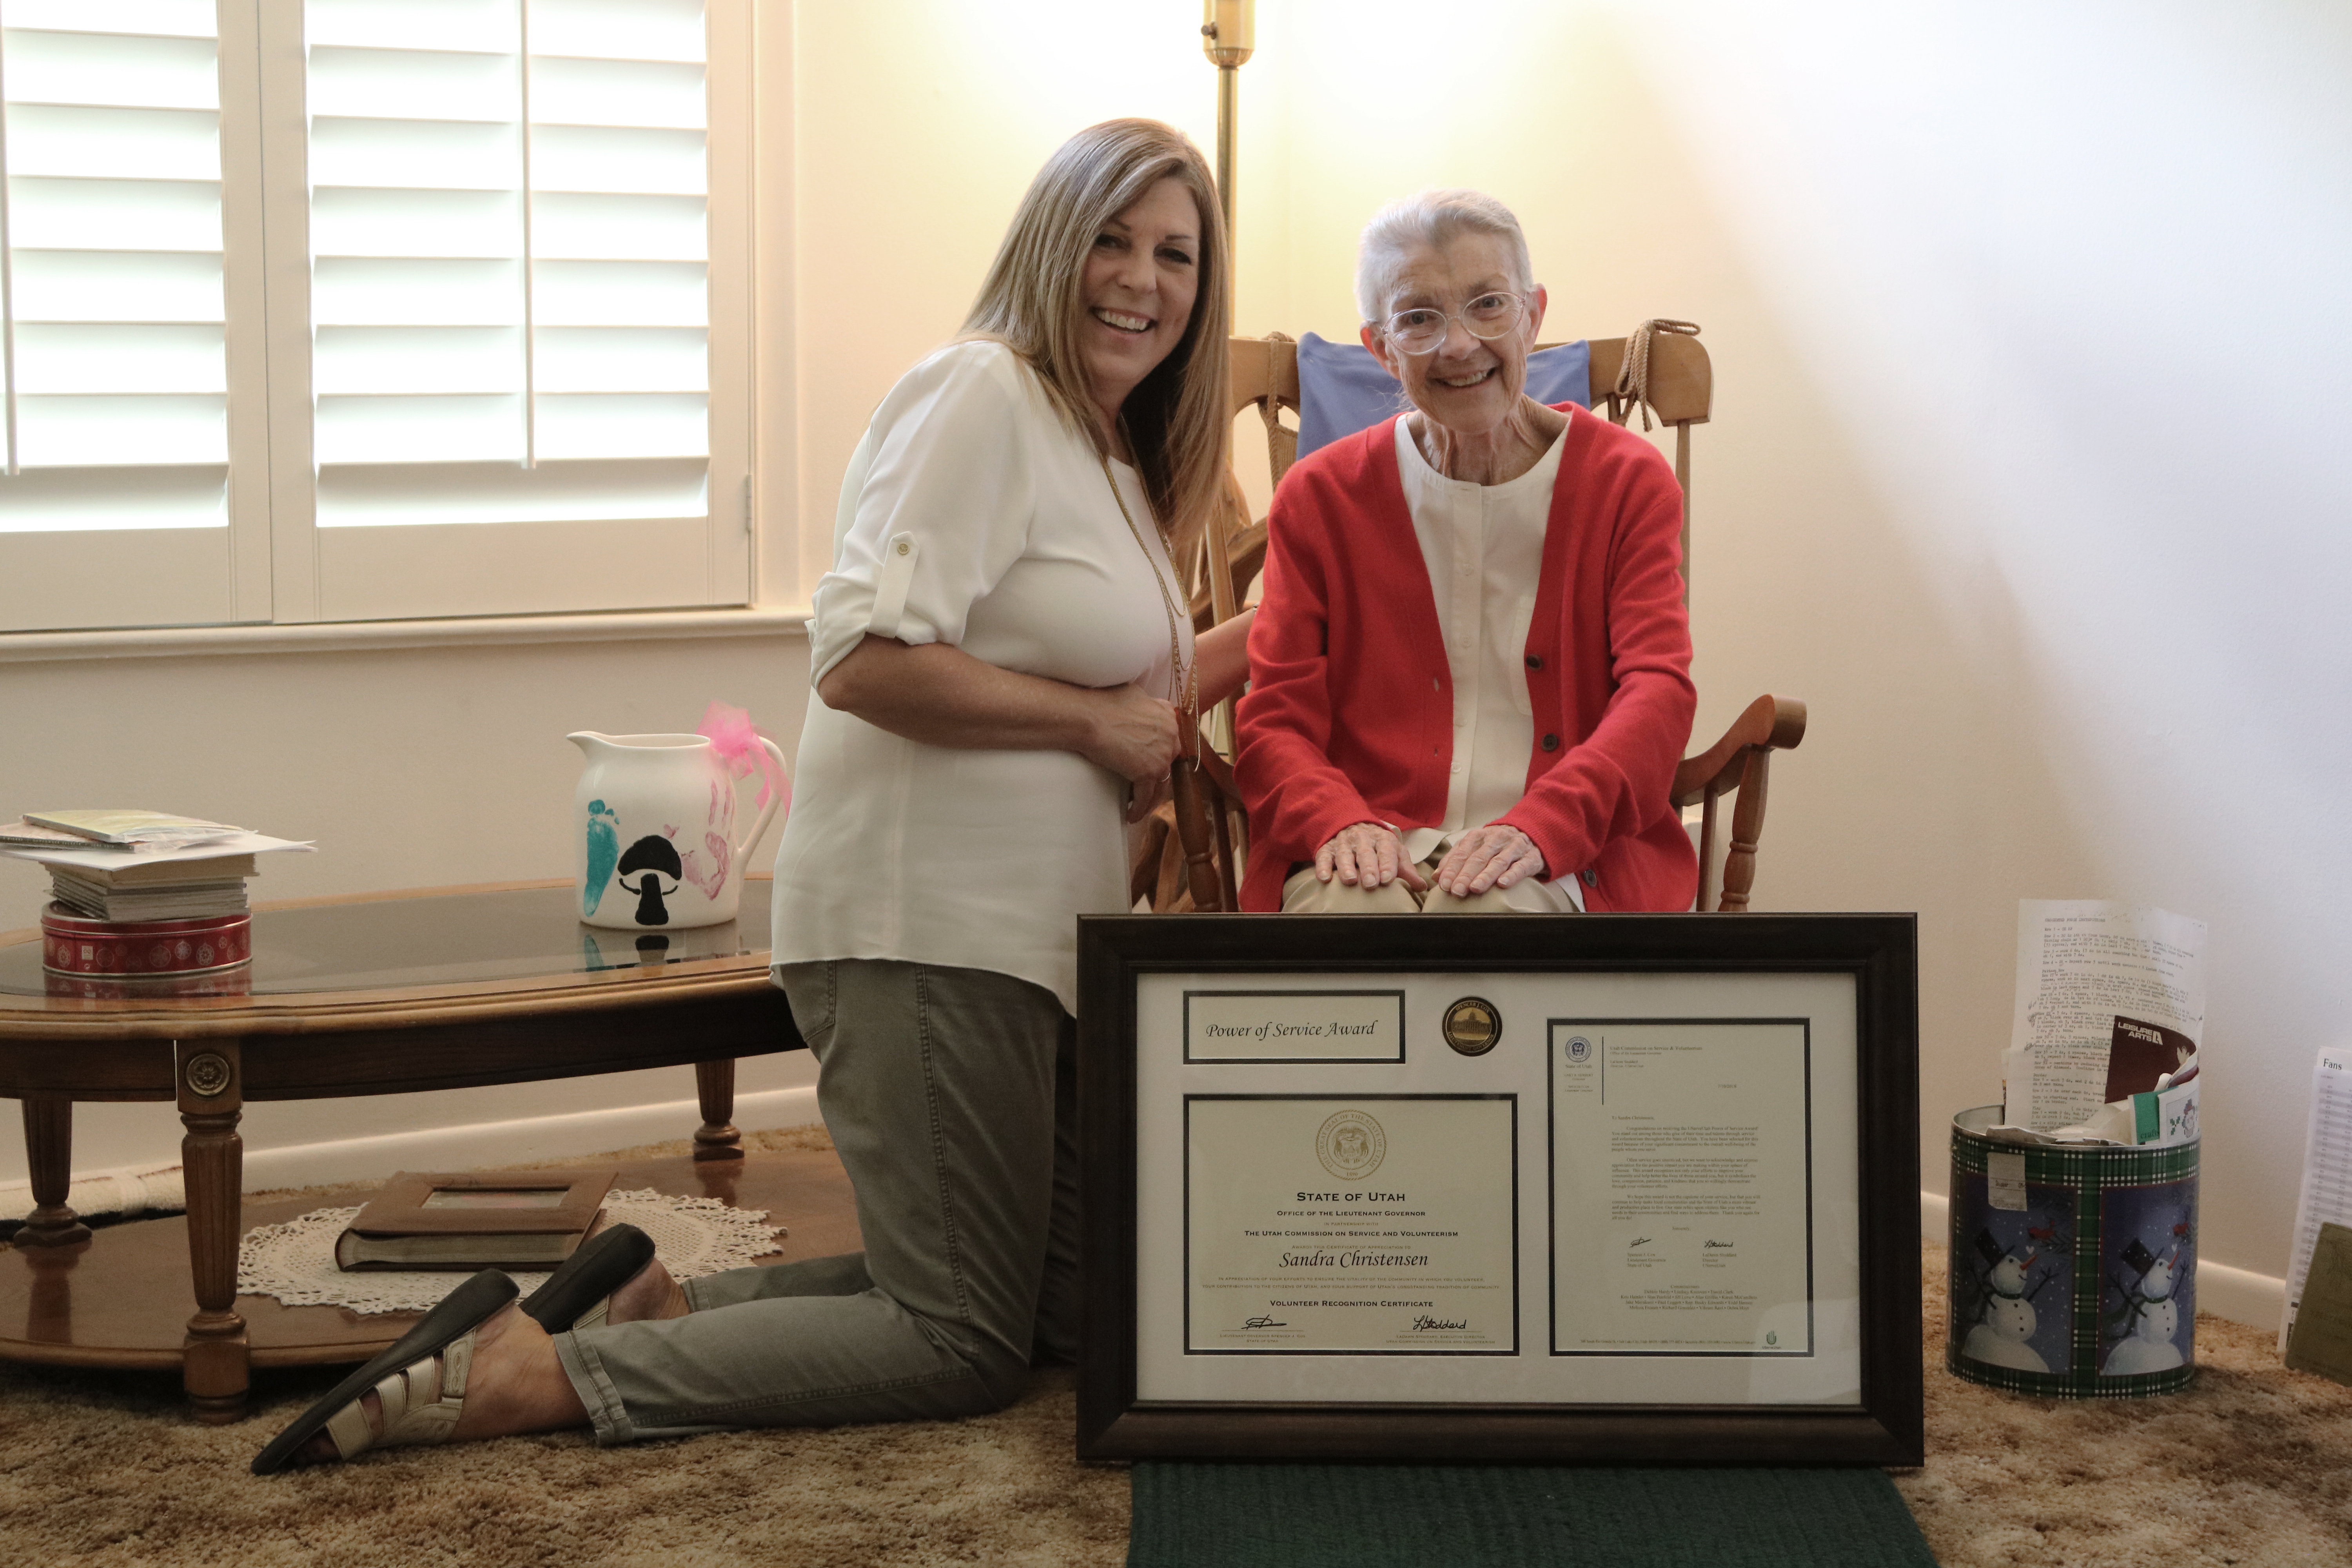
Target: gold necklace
<point>1183,683</point>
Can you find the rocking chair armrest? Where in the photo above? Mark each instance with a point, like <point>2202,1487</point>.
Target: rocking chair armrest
<point>1774,723</point>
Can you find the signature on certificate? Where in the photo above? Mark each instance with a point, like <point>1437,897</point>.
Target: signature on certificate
<point>1263,1322</point>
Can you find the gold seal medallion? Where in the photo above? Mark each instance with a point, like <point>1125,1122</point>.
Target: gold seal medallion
<point>1472,1026</point>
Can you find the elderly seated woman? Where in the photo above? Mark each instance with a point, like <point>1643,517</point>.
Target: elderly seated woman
<point>1470,676</point>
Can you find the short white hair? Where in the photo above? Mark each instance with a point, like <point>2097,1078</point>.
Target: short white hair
<point>1431,220</point>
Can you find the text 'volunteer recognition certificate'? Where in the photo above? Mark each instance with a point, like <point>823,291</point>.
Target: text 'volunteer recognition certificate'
<point>1382,1225</point>
<point>1682,1218</point>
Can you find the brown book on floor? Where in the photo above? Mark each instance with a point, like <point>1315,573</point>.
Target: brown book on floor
<point>510,1219</point>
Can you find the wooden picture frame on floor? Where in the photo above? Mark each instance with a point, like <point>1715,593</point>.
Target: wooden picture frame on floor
<point>1605,1189</point>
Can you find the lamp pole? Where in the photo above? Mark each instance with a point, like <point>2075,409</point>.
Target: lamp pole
<point>1228,36</point>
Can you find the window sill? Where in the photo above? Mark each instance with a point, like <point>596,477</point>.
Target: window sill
<point>328,637</point>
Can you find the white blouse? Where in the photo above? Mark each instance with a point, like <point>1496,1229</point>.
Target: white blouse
<point>971,515</point>
<point>1482,547</point>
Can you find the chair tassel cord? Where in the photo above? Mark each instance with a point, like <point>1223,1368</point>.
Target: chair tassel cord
<point>1632,389</point>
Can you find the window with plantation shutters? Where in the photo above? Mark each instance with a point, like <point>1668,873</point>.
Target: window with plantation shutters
<point>115,501</point>
<point>510,308</point>
<point>353,309</point>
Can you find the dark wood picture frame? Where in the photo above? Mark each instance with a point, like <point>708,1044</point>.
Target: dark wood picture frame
<point>401,1209</point>
<point>1880,952</point>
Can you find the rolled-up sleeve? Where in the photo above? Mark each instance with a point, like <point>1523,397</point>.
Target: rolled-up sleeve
<point>935,507</point>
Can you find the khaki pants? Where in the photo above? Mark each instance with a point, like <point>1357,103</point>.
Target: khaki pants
<point>951,1098</point>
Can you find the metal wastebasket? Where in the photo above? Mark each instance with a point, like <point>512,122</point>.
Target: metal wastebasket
<point>2073,1267</point>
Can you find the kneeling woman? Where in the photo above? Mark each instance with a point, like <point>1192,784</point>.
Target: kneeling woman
<point>1003,666</point>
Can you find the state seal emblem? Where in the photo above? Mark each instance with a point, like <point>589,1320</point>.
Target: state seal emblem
<point>1351,1145</point>
<point>1472,1026</point>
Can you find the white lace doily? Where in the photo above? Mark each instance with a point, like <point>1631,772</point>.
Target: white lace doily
<point>296,1261</point>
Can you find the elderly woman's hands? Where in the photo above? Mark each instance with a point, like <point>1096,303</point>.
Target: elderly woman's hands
<point>1367,855</point>
<point>1495,856</point>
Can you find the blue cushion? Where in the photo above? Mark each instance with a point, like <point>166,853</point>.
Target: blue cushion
<point>1342,388</point>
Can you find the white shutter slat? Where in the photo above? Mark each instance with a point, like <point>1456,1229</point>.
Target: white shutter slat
<point>420,223</point>
<point>114,215</point>
<point>86,500</point>
<point>381,359</point>
<point>620,29</point>
<point>78,357</point>
<point>425,293</point>
<point>80,142</point>
<point>418,429</point>
<point>117,285</point>
<point>184,18</point>
<point>648,93</point>
<point>458,155</point>
<point>632,160</point>
<point>133,72</point>
<point>488,25</point>
<point>62,431</point>
<point>361,496</point>
<point>623,359</point>
<point>598,226</point>
<point>416,84</point>
<point>621,294</point>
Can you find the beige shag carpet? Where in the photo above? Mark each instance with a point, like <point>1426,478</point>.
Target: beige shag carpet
<point>2252,1466</point>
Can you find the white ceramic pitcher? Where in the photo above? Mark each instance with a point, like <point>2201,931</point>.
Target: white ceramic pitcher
<point>653,820</point>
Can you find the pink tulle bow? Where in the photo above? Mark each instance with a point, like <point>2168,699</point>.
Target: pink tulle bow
<point>736,739</point>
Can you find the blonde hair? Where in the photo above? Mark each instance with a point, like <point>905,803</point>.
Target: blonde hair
<point>1176,418</point>
<point>1430,220</point>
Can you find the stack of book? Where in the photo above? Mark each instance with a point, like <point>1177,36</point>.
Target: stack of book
<point>141,894</point>
<point>132,867</point>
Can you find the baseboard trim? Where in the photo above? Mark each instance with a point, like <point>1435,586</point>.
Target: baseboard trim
<point>476,1144</point>
<point>2241,1295</point>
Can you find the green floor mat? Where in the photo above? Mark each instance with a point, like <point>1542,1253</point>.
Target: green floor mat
<point>1393,1516</point>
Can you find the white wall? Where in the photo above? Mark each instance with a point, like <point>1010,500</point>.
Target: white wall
<point>2026,471</point>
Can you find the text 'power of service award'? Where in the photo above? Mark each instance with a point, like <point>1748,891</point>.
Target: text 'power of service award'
<point>1682,1201</point>
<point>1377,1225</point>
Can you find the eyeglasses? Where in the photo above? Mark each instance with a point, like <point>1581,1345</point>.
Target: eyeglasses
<point>1489,316</point>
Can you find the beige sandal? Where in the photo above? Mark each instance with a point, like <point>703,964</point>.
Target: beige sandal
<point>421,1404</point>
<point>421,1380</point>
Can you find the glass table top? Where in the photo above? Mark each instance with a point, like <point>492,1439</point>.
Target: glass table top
<point>451,939</point>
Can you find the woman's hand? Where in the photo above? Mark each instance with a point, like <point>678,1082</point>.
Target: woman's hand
<point>942,696</point>
<point>1367,855</point>
<point>1495,856</point>
<point>1135,736</point>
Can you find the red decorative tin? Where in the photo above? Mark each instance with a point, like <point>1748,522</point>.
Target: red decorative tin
<point>119,949</point>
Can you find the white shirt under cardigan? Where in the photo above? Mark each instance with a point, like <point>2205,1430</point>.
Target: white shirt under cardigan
<point>1483,545</point>
<point>971,515</point>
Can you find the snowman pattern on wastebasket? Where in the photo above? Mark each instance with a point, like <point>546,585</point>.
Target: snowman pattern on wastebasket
<point>2012,1279</point>
<point>2147,1278</point>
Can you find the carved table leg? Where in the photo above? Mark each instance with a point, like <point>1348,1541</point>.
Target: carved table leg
<point>716,1138</point>
<point>48,1150</point>
<point>212,1099</point>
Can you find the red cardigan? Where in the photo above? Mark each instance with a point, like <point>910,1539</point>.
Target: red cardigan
<point>1349,713</point>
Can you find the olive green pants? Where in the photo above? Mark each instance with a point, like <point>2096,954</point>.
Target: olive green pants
<point>951,1098</point>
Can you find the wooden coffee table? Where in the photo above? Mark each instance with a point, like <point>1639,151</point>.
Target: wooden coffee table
<point>439,988</point>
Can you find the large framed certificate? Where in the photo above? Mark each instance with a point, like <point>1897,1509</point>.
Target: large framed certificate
<point>1616,1188</point>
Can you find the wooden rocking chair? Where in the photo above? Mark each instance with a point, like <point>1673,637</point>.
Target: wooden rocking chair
<point>1193,847</point>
